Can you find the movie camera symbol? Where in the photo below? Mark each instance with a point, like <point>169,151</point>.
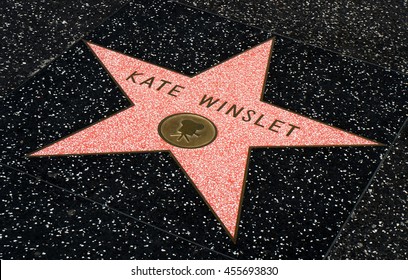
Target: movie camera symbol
<point>187,130</point>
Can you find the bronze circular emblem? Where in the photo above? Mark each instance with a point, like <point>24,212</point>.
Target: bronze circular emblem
<point>187,130</point>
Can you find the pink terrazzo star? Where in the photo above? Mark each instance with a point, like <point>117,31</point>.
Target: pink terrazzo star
<point>227,94</point>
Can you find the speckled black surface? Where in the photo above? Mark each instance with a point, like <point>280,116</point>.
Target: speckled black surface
<point>375,31</point>
<point>378,229</point>
<point>294,209</point>
<point>33,33</point>
<point>41,221</point>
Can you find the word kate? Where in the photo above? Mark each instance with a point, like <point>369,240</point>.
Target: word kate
<point>159,85</point>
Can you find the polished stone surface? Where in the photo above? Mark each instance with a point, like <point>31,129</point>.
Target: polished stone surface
<point>361,91</point>
<point>39,220</point>
<point>375,31</point>
<point>378,227</point>
<point>33,33</point>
